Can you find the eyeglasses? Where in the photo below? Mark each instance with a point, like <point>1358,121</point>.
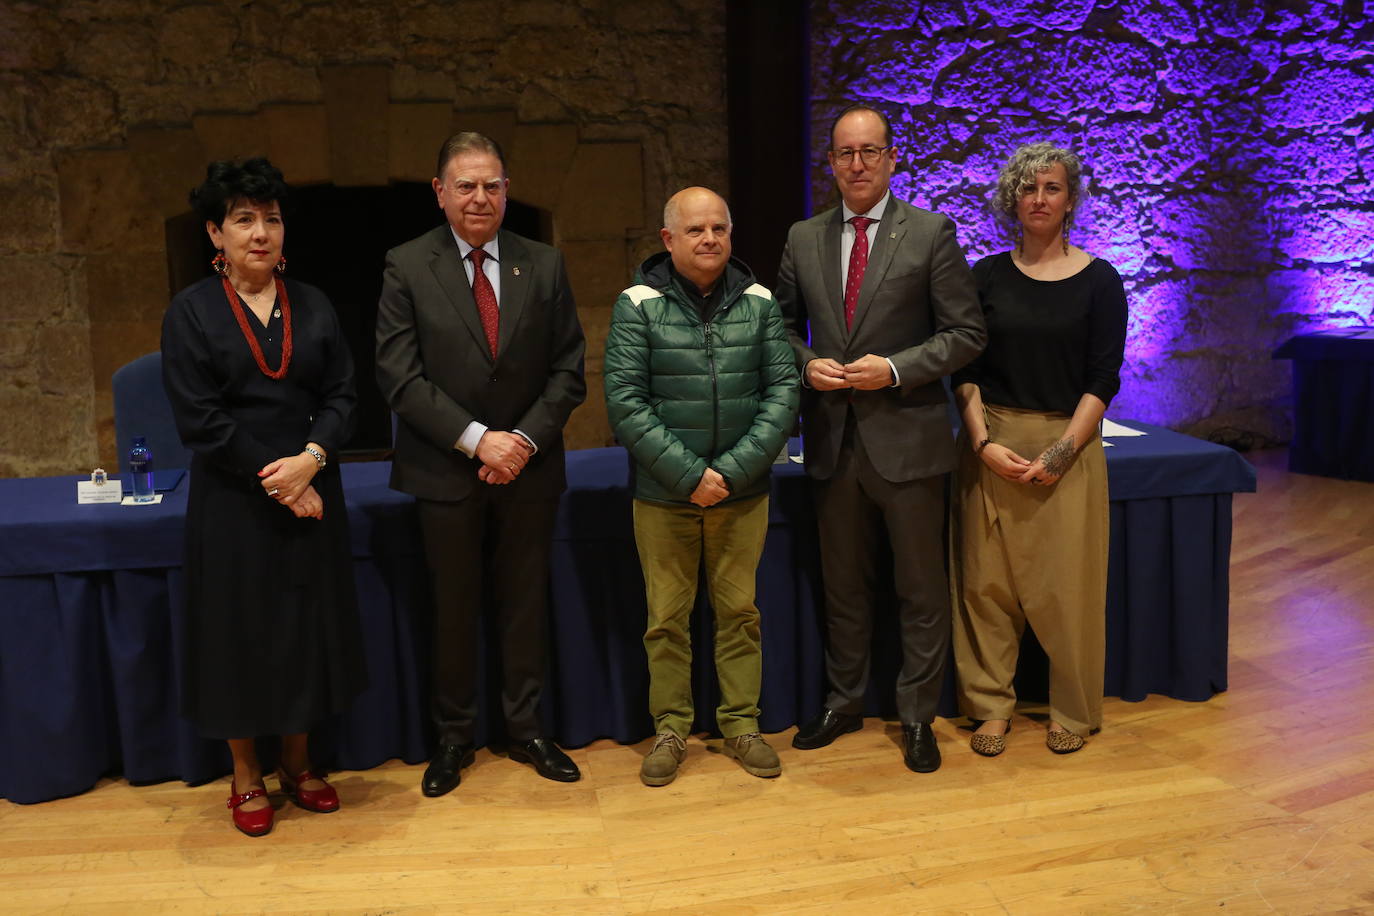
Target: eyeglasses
<point>869,155</point>
<point>466,186</point>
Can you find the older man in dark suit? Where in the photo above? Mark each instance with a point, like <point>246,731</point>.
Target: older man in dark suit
<point>479,353</point>
<point>891,309</point>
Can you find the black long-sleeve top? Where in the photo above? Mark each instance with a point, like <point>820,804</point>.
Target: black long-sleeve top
<point>1049,341</point>
<point>226,410</point>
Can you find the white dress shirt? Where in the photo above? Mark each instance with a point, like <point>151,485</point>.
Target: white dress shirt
<point>847,232</point>
<point>491,269</point>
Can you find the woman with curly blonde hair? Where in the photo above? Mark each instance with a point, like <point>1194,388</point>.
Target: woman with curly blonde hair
<point>1030,522</point>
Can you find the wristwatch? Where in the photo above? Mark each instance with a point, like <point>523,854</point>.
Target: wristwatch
<point>318,456</point>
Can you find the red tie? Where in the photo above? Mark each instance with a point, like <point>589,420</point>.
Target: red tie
<point>858,260</point>
<point>486,299</point>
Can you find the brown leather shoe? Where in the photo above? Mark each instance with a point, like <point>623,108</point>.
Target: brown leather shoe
<point>754,754</point>
<point>660,764</point>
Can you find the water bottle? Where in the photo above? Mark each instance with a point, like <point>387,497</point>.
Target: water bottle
<point>141,470</point>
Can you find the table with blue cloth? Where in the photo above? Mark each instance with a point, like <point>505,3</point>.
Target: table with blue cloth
<point>91,597</point>
<point>1333,403</point>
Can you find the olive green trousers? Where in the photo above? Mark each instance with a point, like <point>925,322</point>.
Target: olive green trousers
<point>675,543</point>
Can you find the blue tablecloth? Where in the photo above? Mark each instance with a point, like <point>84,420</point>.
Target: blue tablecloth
<point>90,599</point>
<point>1333,403</point>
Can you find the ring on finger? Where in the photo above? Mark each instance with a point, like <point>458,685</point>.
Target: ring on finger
<point>272,492</point>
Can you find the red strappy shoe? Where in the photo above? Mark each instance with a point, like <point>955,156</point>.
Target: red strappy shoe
<point>322,801</point>
<point>253,823</point>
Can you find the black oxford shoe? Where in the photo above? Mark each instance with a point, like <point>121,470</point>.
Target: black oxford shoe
<point>825,728</point>
<point>549,761</point>
<point>919,750</point>
<point>445,769</point>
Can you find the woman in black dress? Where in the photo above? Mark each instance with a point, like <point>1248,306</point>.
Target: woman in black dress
<point>261,384</point>
<point>1030,515</point>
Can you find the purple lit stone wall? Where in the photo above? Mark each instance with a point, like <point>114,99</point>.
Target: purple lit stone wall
<point>1229,151</point>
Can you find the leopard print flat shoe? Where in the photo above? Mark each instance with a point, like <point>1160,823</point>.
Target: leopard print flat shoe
<point>989,745</point>
<point>1064,742</point>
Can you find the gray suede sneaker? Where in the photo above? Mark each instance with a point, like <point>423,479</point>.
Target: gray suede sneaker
<point>660,764</point>
<point>754,754</point>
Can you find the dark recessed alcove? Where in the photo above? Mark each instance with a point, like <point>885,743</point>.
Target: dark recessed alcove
<point>337,239</point>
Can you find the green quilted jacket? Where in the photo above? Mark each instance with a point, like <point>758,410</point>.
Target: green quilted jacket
<point>683,395</point>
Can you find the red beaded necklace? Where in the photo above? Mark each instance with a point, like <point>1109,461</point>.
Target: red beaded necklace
<point>252,339</point>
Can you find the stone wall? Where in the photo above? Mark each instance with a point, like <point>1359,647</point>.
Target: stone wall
<point>110,108</point>
<point>1229,147</point>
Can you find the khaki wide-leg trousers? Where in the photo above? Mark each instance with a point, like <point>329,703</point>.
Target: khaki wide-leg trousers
<point>1030,554</point>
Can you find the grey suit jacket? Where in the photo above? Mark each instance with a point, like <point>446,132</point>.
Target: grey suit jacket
<point>437,373</point>
<point>917,306</point>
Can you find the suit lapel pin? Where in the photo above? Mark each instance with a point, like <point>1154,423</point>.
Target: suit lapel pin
<point>892,235</point>
<point>515,270</point>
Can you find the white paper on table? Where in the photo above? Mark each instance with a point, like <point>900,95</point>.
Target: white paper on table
<point>89,492</point>
<point>1111,428</point>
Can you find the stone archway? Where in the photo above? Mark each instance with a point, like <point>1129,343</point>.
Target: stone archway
<point>114,204</point>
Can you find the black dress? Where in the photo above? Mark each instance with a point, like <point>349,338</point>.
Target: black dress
<point>271,642</point>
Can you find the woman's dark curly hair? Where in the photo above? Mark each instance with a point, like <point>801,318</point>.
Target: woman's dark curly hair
<point>239,179</point>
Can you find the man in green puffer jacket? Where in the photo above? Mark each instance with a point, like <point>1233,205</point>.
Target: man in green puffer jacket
<point>701,388</point>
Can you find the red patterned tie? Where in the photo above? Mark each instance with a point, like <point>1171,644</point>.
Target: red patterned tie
<point>858,261</point>
<point>486,299</point>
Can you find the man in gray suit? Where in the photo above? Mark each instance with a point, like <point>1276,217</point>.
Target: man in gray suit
<point>479,353</point>
<point>891,308</point>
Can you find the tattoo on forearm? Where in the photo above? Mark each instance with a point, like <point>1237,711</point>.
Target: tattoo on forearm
<point>1058,457</point>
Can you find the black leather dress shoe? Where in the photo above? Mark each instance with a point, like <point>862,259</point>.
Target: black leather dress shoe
<point>445,769</point>
<point>825,728</point>
<point>919,750</point>
<point>549,761</point>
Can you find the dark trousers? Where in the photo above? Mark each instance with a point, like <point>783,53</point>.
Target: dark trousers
<point>857,511</point>
<point>488,545</point>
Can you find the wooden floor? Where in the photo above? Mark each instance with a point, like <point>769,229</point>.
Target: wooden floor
<point>1259,801</point>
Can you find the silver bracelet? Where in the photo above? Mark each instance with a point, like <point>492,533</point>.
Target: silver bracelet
<point>317,455</point>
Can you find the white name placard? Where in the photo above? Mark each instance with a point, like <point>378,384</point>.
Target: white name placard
<point>88,493</point>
